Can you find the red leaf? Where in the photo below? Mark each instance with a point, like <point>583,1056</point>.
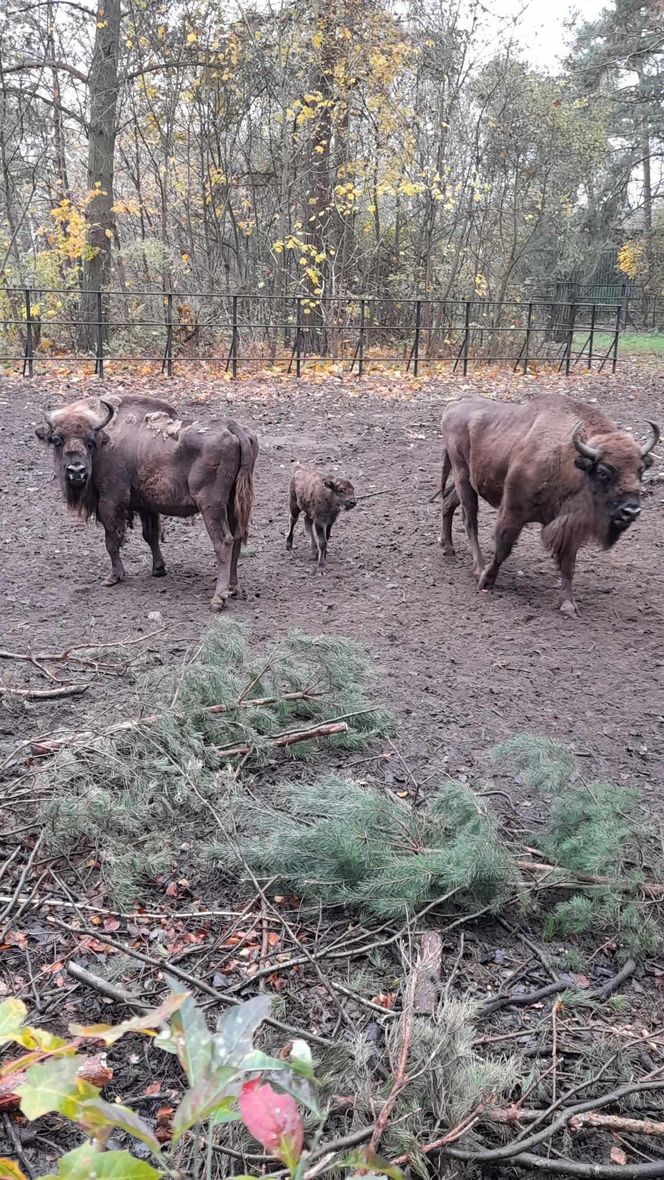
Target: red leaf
<point>111,924</point>
<point>273,1119</point>
<point>152,1090</point>
<point>172,889</point>
<point>618,1156</point>
<point>581,981</point>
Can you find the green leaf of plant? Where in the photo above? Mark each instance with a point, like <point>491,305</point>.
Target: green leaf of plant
<point>364,1158</point>
<point>300,1088</point>
<point>99,1116</point>
<point>210,1096</point>
<point>10,1171</point>
<point>85,1162</point>
<point>54,1085</point>
<point>147,1023</point>
<point>192,1039</point>
<point>12,1015</point>
<point>236,1028</point>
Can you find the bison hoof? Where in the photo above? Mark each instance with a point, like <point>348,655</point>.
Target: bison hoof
<point>159,571</point>
<point>448,550</point>
<point>569,609</point>
<point>486,582</point>
<point>113,580</point>
<point>218,603</point>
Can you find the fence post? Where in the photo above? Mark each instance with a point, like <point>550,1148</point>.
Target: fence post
<point>591,338</point>
<point>416,345</point>
<point>466,337</point>
<point>28,360</point>
<point>99,361</point>
<point>614,360</point>
<point>570,338</point>
<point>168,355</point>
<point>235,341</point>
<point>360,343</point>
<point>298,339</point>
<point>529,324</point>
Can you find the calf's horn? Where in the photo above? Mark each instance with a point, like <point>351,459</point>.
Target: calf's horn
<point>652,442</point>
<point>582,447</point>
<point>109,414</point>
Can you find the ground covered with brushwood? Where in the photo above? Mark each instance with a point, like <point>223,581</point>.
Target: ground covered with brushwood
<point>461,918</point>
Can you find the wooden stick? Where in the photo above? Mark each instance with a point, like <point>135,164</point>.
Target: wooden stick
<point>44,694</point>
<point>654,889</point>
<point>82,975</point>
<point>289,739</point>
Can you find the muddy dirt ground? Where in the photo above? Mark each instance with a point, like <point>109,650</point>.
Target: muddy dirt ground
<point>460,670</point>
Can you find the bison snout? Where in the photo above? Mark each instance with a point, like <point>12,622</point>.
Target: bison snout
<point>628,513</point>
<point>76,472</point>
<point>350,504</point>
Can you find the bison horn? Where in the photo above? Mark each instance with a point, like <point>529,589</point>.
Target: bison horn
<point>652,442</point>
<point>582,447</point>
<point>110,410</point>
<point>48,418</point>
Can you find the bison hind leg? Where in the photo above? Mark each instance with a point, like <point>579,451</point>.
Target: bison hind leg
<point>152,536</point>
<point>449,506</point>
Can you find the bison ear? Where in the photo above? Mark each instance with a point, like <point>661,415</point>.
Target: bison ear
<point>329,483</point>
<point>43,432</point>
<point>584,464</point>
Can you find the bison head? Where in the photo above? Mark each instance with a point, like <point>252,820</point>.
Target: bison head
<point>615,465</point>
<point>74,432</point>
<point>343,491</point>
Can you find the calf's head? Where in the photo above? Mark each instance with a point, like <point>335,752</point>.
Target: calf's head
<point>615,464</point>
<point>74,432</point>
<point>343,492</point>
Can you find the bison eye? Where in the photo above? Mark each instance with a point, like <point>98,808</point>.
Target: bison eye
<point>604,474</point>
<point>57,440</point>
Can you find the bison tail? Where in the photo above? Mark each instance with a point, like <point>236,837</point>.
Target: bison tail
<point>244,482</point>
<point>444,475</point>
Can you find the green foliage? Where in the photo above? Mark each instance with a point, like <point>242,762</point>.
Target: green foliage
<point>345,843</point>
<point>137,793</point>
<point>594,829</point>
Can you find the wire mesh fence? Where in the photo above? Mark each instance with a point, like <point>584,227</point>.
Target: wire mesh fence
<point>243,333</point>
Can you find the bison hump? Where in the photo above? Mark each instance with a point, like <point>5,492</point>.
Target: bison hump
<point>161,423</point>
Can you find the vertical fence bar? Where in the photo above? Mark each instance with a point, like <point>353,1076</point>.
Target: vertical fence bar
<point>591,338</point>
<point>616,336</point>
<point>416,344</point>
<point>168,355</point>
<point>298,339</point>
<point>570,338</point>
<point>235,341</point>
<point>28,360</point>
<point>466,337</point>
<point>529,324</point>
<point>99,360</point>
<point>360,343</point>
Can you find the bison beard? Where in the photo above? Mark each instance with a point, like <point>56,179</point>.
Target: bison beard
<point>137,467</point>
<point>554,461</point>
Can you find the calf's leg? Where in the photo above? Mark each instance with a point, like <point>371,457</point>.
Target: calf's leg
<point>294,517</point>
<point>150,523</point>
<point>309,529</point>
<point>321,539</point>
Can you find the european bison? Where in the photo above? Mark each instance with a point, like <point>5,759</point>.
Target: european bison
<point>321,498</point>
<point>114,461</point>
<point>555,461</point>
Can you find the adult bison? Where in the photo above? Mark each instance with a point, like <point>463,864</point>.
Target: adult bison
<point>554,461</point>
<point>137,457</point>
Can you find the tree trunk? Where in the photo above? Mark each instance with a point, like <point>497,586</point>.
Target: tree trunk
<point>103,96</point>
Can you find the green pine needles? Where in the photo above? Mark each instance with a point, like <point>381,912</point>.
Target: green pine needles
<point>141,789</point>
<point>346,843</point>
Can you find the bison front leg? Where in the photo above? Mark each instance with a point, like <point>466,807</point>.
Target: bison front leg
<point>113,517</point>
<point>150,523</point>
<point>506,537</point>
<point>567,565</point>
<point>469,504</point>
<point>449,504</point>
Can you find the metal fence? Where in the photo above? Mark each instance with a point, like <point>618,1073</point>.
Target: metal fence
<point>291,334</point>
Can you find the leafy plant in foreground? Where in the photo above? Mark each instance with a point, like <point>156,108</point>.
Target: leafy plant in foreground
<point>224,1073</point>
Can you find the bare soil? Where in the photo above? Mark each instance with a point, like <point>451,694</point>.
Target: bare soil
<point>461,670</point>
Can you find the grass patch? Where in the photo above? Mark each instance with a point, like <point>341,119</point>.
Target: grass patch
<point>630,344</point>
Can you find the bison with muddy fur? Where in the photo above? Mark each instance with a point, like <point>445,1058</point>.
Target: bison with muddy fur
<point>321,498</point>
<point>554,461</point>
<point>137,456</point>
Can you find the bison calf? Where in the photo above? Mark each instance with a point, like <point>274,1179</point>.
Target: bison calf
<point>321,498</point>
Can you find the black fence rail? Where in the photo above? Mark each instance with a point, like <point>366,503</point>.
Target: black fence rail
<point>248,332</point>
